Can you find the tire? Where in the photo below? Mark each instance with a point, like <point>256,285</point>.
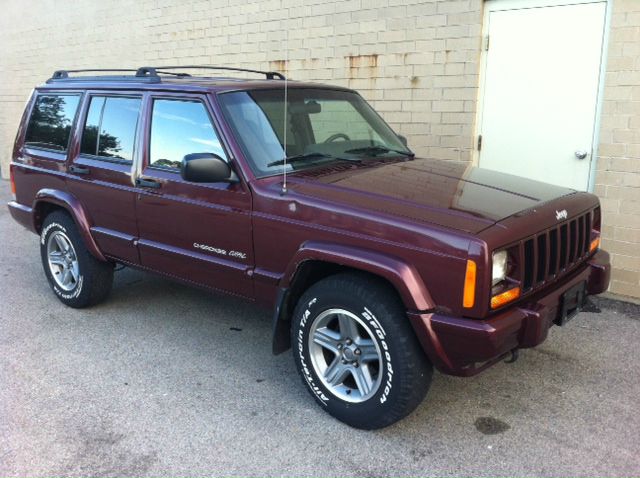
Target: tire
<point>77,278</point>
<point>357,319</point>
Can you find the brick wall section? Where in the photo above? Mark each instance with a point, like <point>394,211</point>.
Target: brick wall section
<point>618,175</point>
<point>416,61</point>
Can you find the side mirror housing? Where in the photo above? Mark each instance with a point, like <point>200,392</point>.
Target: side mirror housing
<point>205,168</point>
<point>403,140</point>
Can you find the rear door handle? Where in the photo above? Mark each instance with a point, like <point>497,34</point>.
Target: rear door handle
<point>147,183</point>
<point>78,169</point>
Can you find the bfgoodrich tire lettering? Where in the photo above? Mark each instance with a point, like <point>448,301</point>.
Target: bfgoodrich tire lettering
<point>76,277</point>
<point>379,345</point>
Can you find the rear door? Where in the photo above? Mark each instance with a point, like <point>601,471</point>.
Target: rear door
<point>101,170</point>
<point>194,231</point>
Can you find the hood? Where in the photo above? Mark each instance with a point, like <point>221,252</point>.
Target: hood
<point>447,193</point>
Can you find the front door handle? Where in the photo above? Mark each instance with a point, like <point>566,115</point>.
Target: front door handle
<point>147,183</point>
<point>78,169</point>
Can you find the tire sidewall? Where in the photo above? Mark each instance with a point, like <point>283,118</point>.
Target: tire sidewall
<point>51,226</point>
<point>308,309</point>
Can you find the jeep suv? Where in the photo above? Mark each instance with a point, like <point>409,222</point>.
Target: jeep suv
<point>378,265</point>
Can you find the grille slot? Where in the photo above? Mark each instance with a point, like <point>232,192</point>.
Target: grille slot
<point>542,258</point>
<point>528,264</point>
<point>553,252</point>
<point>587,233</point>
<point>572,241</point>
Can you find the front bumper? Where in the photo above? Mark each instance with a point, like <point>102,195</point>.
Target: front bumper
<point>463,347</point>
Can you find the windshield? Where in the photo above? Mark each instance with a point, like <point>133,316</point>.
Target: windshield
<point>322,126</point>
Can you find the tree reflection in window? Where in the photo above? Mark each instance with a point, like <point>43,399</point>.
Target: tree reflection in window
<point>50,123</point>
<point>116,119</point>
<point>178,128</point>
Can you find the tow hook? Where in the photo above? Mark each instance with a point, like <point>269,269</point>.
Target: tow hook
<point>514,356</point>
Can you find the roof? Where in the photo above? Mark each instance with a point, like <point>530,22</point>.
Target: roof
<point>166,78</point>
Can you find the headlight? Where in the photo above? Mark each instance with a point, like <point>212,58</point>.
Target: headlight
<point>499,270</point>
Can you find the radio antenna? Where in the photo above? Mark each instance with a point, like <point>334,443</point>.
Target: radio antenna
<point>286,116</point>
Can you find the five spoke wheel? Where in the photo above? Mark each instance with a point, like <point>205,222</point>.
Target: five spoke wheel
<point>63,262</point>
<point>345,356</point>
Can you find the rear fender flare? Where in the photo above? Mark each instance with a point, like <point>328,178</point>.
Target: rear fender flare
<point>73,206</point>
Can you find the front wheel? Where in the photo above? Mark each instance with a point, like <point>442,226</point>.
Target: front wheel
<point>357,353</point>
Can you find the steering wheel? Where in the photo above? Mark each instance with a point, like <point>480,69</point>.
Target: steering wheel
<point>333,137</point>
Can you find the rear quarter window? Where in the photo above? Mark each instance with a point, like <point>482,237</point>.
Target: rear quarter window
<point>51,119</point>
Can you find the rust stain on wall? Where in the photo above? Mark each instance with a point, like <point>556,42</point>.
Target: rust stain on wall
<point>368,62</point>
<point>279,65</point>
<point>360,61</point>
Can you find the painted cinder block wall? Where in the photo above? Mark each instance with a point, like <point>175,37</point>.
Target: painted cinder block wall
<point>418,63</point>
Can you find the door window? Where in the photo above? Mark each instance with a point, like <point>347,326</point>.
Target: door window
<point>178,128</point>
<point>116,120</point>
<point>50,123</point>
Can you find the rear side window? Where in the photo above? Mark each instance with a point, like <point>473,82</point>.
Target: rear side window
<point>110,128</point>
<point>50,123</point>
<point>178,128</point>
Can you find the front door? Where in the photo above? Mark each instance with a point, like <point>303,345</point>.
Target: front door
<point>541,79</point>
<point>193,231</point>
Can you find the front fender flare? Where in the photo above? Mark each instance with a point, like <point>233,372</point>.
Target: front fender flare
<point>403,276</point>
<point>72,205</point>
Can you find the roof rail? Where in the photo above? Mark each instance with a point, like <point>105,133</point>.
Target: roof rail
<point>146,71</point>
<point>151,74</point>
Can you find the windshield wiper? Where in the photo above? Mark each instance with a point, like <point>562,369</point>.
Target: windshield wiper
<point>305,157</point>
<point>375,150</point>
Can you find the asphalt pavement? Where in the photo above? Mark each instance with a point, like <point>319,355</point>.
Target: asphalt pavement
<point>162,379</point>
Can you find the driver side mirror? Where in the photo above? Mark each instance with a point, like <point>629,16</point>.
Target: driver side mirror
<point>403,140</point>
<point>205,168</point>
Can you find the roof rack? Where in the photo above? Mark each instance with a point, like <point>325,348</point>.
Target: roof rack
<point>155,70</point>
<point>152,74</point>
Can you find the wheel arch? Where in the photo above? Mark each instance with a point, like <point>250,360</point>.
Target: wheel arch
<point>48,200</point>
<point>316,260</point>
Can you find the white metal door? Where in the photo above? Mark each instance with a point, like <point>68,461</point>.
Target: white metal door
<point>540,90</point>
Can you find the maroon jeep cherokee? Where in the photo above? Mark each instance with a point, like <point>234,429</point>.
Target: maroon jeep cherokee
<point>378,265</point>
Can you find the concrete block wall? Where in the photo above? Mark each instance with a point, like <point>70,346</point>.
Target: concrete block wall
<point>618,176</point>
<point>416,61</point>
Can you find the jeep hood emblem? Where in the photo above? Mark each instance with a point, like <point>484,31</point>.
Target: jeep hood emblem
<point>561,214</point>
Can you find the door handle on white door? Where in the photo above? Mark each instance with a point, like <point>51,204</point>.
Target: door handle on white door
<point>581,154</point>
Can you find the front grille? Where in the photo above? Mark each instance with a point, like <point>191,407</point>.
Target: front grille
<point>551,253</point>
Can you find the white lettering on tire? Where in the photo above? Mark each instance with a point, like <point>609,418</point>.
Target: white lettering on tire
<point>305,367</point>
<point>380,332</point>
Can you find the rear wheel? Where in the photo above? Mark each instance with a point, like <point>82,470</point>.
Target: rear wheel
<point>357,353</point>
<point>77,278</point>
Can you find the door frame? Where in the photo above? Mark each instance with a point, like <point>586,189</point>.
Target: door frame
<point>498,5</point>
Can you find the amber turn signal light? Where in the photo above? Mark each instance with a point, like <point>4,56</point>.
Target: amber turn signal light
<point>594,244</point>
<point>13,181</point>
<point>505,297</point>
<point>469,296</point>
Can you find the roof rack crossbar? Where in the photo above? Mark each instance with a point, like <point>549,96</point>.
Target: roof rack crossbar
<point>155,70</point>
<point>62,74</point>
